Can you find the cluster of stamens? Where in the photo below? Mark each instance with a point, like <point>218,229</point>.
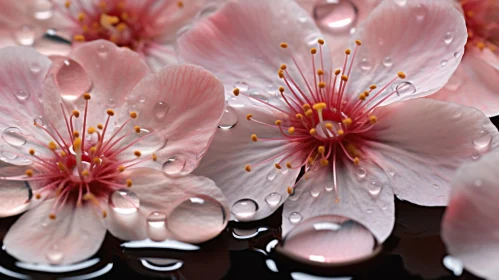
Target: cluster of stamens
<point>479,28</point>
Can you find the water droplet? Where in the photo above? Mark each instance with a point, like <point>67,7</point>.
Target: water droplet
<point>353,30</point>
<point>365,64</point>
<point>54,255</point>
<point>22,95</point>
<point>457,55</point>
<point>39,121</point>
<point>405,88</point>
<point>478,183</point>
<point>302,18</point>
<point>111,103</point>
<point>156,226</point>
<point>124,201</point>
<point>311,39</point>
<point>242,86</point>
<point>103,50</point>
<point>335,16</point>
<point>271,175</point>
<point>174,165</point>
<point>273,199</point>
<point>420,12</point>
<point>295,217</point>
<point>374,188</point>
<point>160,109</point>
<point>454,83</point>
<point>72,79</point>
<point>369,211</point>
<point>14,196</point>
<point>142,98</point>
<point>13,136</point>
<point>388,61</point>
<point>475,156</point>
<point>483,140</point>
<point>235,102</point>
<point>448,37</point>
<point>443,62</point>
<point>457,115</point>
<point>244,209</point>
<point>381,42</point>
<point>42,10</point>
<point>35,67</point>
<point>25,35</point>
<point>329,239</point>
<point>7,155</point>
<point>229,118</point>
<point>196,219</point>
<point>329,186</point>
<point>257,94</point>
<point>315,192</point>
<point>390,172</point>
<point>361,172</point>
<point>401,3</point>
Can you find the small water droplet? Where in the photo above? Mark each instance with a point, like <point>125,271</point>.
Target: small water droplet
<point>315,192</point>
<point>405,88</point>
<point>25,35</point>
<point>483,140</point>
<point>257,94</point>
<point>142,98</point>
<point>35,67</point>
<point>329,186</point>
<point>381,42</point>
<point>273,199</point>
<point>235,102</point>
<point>22,95</point>
<point>311,39</point>
<point>111,102</point>
<point>365,64</point>
<point>271,175</point>
<point>361,173</point>
<point>401,3</point>
<point>353,30</point>
<point>160,109</point>
<point>13,136</point>
<point>302,18</point>
<point>244,209</point>
<point>388,61</point>
<point>390,172</point>
<point>374,188</point>
<point>103,50</point>
<point>272,88</point>
<point>454,83</point>
<point>436,186</point>
<point>475,156</point>
<point>443,62</point>
<point>54,255</point>
<point>242,86</point>
<point>457,115</point>
<point>295,217</point>
<point>369,211</point>
<point>156,226</point>
<point>174,165</point>
<point>39,121</point>
<point>8,155</point>
<point>124,201</point>
<point>448,37</point>
<point>335,16</point>
<point>42,10</point>
<point>457,55</point>
<point>478,183</point>
<point>229,118</point>
<point>420,12</point>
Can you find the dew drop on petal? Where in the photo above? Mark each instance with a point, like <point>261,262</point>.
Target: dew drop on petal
<point>329,186</point>
<point>196,219</point>
<point>436,186</point>
<point>156,226</point>
<point>365,64</point>
<point>242,86</point>
<point>174,165</point>
<point>448,37</point>
<point>42,10</point>
<point>257,94</point>
<point>295,217</point>
<point>483,140</point>
<point>388,61</point>
<point>15,197</point>
<point>25,35</point>
<point>335,16</point>
<point>443,62</point>
<point>142,98</point>
<point>54,255</point>
<point>405,88</point>
<point>315,192</point>
<point>35,67</point>
<point>369,211</point>
<point>111,102</point>
<point>401,3</point>
<point>229,118</point>
<point>457,55</point>
<point>103,50</point>
<point>271,175</point>
<point>13,136</point>
<point>160,109</point>
<point>244,209</point>
<point>208,10</point>
<point>22,95</point>
<point>124,201</point>
<point>457,115</point>
<point>273,199</point>
<point>475,156</point>
<point>478,183</point>
<point>420,12</point>
<point>374,188</point>
<point>39,120</point>
<point>72,79</point>
<point>235,102</point>
<point>361,172</point>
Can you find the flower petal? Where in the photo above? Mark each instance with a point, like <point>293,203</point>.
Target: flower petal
<point>363,195</point>
<point>470,224</point>
<point>182,106</point>
<point>422,142</point>
<point>424,39</point>
<point>75,235</point>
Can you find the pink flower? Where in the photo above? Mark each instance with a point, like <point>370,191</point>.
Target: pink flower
<point>111,145</point>
<point>148,27</point>
<point>470,224</point>
<point>472,84</point>
<point>305,114</point>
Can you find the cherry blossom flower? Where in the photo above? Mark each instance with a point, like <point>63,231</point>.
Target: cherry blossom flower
<point>470,224</point>
<point>473,82</point>
<point>96,161</point>
<point>352,129</point>
<point>147,27</point>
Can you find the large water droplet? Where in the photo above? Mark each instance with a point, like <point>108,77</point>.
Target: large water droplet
<point>25,35</point>
<point>365,64</point>
<point>258,94</point>
<point>483,140</point>
<point>174,165</point>
<point>54,255</point>
<point>448,37</point>
<point>295,217</point>
<point>271,175</point>
<point>22,95</point>
<point>160,109</point>
<point>229,118</point>
<point>71,78</point>
<point>124,201</point>
<point>14,196</point>
<point>196,219</point>
<point>244,209</point>
<point>42,10</point>
<point>242,86</point>
<point>13,136</point>
<point>388,61</point>
<point>273,199</point>
<point>156,226</point>
<point>315,192</point>
<point>405,88</point>
<point>335,16</point>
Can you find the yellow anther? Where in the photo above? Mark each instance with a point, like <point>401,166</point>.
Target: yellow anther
<point>96,160</point>
<point>52,145</point>
<point>313,131</point>
<point>128,182</point>
<point>76,113</point>
<point>91,197</point>
<point>32,152</point>
<point>324,162</point>
<point>290,190</point>
<point>121,27</point>
<point>319,106</point>
<point>247,168</point>
<point>309,113</point>
<point>281,89</point>
<point>322,85</point>
<point>107,20</point>
<point>313,50</point>
<point>291,130</point>
<point>321,150</point>
<point>124,16</point>
<point>347,121</point>
<point>38,196</point>
<point>288,165</point>
<point>283,67</point>
<point>356,161</point>
<point>137,153</point>
<point>77,144</point>
<point>320,41</point>
<point>306,107</point>
<point>373,86</point>
<point>85,173</point>
<point>401,75</point>
<point>100,126</point>
<point>104,214</point>
<point>235,91</point>
<point>133,115</point>
<point>52,216</point>
<point>63,153</point>
<point>329,125</point>
<point>93,149</point>
<point>280,73</point>
<point>180,4</point>
<point>29,173</point>
<point>110,112</point>
<point>61,166</point>
<point>248,117</point>
<point>470,34</point>
<point>358,42</point>
<point>362,96</point>
<point>76,134</point>
<point>310,160</point>
<point>340,132</point>
<point>81,16</point>
<point>79,38</point>
<point>67,4</point>
<point>278,122</point>
<point>136,128</point>
<point>344,78</point>
<point>348,51</point>
<point>480,45</point>
<point>87,96</point>
<point>277,165</point>
<point>373,119</point>
<point>284,45</point>
<point>366,93</point>
<point>470,13</point>
<point>320,72</point>
<point>91,130</point>
<point>299,116</point>
<point>254,138</point>
<point>337,72</point>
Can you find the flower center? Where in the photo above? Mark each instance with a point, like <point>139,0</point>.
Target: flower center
<point>482,23</point>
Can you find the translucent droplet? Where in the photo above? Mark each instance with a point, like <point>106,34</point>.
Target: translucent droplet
<point>25,35</point>
<point>369,211</point>
<point>448,37</point>
<point>174,165</point>
<point>160,109</point>
<point>329,239</point>
<point>8,155</point>
<point>13,136</point>
<point>436,186</point>
<point>22,95</point>
<point>420,12</point>
<point>271,175</point>
<point>401,3</point>
<point>39,121</point>
<point>483,140</point>
<point>14,196</point>
<point>454,83</point>
<point>475,156</point>
<point>142,98</point>
<point>335,16</point>
<point>365,64</point>
<point>242,86</point>
<point>197,219</point>
<point>315,192</point>
<point>391,172</point>
<point>35,67</point>
<point>71,78</point>
<point>329,186</point>
<point>111,102</point>
<point>443,62</point>
<point>478,183</point>
<point>311,39</point>
<point>457,115</point>
<point>124,201</point>
<point>302,18</point>
<point>54,255</point>
<point>235,102</point>
<point>295,217</point>
<point>103,50</point>
<point>457,55</point>
<point>156,226</point>
<point>361,172</point>
<point>257,94</point>
<point>42,10</point>
<point>374,188</point>
<point>388,61</point>
<point>229,118</point>
<point>405,88</point>
<point>244,209</point>
<point>272,88</point>
<point>273,199</point>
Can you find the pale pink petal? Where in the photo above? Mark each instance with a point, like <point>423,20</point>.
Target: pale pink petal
<point>73,236</point>
<point>363,195</point>
<point>170,196</point>
<point>473,84</point>
<point>240,44</point>
<point>420,144</point>
<point>14,195</point>
<point>182,106</point>
<point>232,149</point>
<point>424,39</point>
<point>470,224</point>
